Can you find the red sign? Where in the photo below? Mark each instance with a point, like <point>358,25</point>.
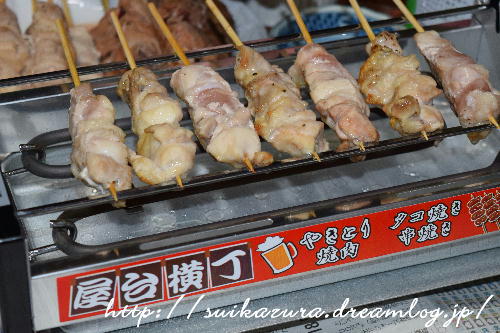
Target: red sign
<point>276,255</point>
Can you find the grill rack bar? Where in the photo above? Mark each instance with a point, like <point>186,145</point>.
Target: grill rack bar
<point>203,183</point>
<point>64,229</point>
<point>102,68</point>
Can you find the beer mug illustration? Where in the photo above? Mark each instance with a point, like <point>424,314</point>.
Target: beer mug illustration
<point>277,254</point>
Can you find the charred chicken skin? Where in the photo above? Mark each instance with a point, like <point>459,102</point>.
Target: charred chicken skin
<point>281,116</point>
<point>393,82</point>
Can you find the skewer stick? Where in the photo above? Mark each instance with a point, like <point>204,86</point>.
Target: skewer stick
<point>168,34</point>
<point>236,40</point>
<point>225,24</point>
<point>494,121</point>
<point>131,61</point>
<point>112,190</point>
<point>67,52</point>
<point>409,16</point>
<point>180,53</point>
<point>300,22</point>
<point>105,5</point>
<point>179,181</point>
<point>34,5</point>
<point>67,13</point>
<point>307,37</point>
<point>50,1</point>
<point>249,165</point>
<point>362,19</point>
<point>371,35</point>
<point>123,40</point>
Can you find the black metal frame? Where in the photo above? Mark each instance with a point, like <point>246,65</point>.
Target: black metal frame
<point>15,304</point>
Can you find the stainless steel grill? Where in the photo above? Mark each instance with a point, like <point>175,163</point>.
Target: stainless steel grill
<point>72,228</point>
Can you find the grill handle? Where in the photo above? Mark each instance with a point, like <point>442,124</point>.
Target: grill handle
<point>33,155</point>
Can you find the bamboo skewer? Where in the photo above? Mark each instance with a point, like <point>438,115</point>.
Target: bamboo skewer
<point>494,122</point>
<point>67,13</point>
<point>300,22</point>
<point>68,53</point>
<point>409,16</point>
<point>178,180</point>
<point>307,37</point>
<point>123,40</point>
<point>105,5</point>
<point>112,190</point>
<point>236,40</point>
<point>249,165</point>
<point>225,24</point>
<point>362,19</point>
<point>76,79</point>
<point>131,61</point>
<point>371,35</point>
<point>418,27</point>
<point>180,53</point>
<point>34,5</point>
<point>168,34</point>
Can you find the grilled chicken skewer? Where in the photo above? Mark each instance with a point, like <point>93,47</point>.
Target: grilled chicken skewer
<point>47,54</point>
<point>465,83</point>
<point>14,50</point>
<point>334,91</point>
<point>281,116</point>
<point>393,82</point>
<point>99,155</point>
<point>223,125</point>
<point>165,150</point>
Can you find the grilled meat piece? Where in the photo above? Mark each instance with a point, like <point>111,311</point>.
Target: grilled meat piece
<point>99,155</point>
<point>281,116</point>
<point>336,95</point>
<point>393,82</point>
<point>223,125</point>
<point>465,83</point>
<point>164,150</point>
